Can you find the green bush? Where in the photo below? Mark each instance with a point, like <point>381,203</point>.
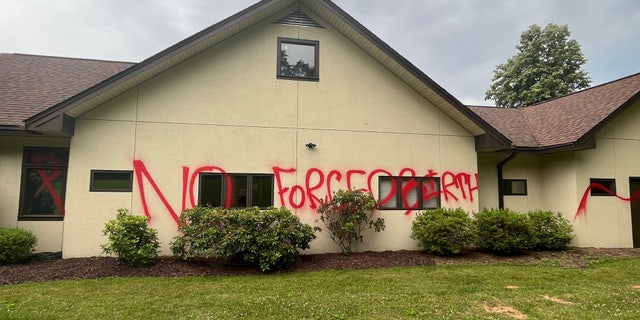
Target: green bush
<point>347,215</point>
<point>16,244</point>
<point>131,239</point>
<point>444,231</point>
<point>269,238</point>
<point>503,231</point>
<point>551,231</point>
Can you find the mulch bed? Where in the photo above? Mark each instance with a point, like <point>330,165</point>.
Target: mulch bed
<point>47,267</point>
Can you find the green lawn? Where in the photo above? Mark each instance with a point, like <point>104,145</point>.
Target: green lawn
<point>607,290</point>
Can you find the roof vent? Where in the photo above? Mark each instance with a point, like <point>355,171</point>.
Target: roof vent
<point>298,18</point>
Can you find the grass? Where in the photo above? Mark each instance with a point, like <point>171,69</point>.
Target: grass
<point>607,290</point>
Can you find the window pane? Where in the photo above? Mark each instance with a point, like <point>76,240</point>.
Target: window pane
<point>111,181</point>
<point>238,191</point>
<point>603,187</point>
<point>44,191</point>
<point>297,60</point>
<point>262,191</point>
<point>519,187</point>
<point>410,188</point>
<point>431,193</point>
<point>511,187</point>
<point>387,193</point>
<point>211,190</point>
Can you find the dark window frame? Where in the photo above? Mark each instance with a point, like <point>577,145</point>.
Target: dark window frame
<point>92,179</point>
<point>28,166</point>
<point>314,43</point>
<point>249,191</point>
<point>398,192</point>
<point>507,187</point>
<point>609,183</point>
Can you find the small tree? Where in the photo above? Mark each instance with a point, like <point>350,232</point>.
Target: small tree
<point>347,215</point>
<point>131,239</point>
<point>548,65</point>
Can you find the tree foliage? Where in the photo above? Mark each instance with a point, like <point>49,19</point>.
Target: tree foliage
<point>547,65</point>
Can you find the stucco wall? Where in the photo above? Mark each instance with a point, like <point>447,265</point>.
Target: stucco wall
<point>523,166</point>
<point>606,222</point>
<point>225,108</point>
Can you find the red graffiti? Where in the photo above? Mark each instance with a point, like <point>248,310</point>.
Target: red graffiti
<point>141,170</point>
<point>582,207</point>
<point>318,186</point>
<point>458,186</point>
<point>48,180</point>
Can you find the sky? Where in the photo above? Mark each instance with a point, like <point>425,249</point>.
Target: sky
<point>457,43</point>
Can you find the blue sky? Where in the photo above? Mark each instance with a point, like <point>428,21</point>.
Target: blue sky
<point>457,43</point>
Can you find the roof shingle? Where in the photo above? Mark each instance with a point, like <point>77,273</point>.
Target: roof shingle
<point>31,84</point>
<point>564,120</point>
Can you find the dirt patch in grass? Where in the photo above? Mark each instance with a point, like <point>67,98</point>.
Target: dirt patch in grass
<point>46,267</point>
<point>506,310</point>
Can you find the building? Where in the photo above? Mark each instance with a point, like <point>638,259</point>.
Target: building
<point>281,104</point>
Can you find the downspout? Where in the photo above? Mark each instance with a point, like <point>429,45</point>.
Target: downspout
<point>500,179</point>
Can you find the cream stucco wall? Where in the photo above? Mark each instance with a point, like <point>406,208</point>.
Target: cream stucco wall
<point>607,219</point>
<point>523,166</point>
<point>225,108</point>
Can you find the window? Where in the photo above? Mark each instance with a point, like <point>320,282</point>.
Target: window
<point>409,193</point>
<point>514,187</point>
<point>298,59</point>
<point>240,190</point>
<point>111,181</point>
<point>44,174</point>
<point>603,187</point>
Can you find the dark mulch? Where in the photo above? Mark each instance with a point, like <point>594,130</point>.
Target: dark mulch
<point>47,267</point>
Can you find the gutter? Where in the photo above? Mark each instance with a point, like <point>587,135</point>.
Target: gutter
<point>500,166</point>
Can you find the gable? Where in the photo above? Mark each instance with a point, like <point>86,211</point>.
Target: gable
<point>228,28</point>
<point>235,83</point>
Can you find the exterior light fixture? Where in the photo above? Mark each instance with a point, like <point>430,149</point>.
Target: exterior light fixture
<point>311,145</point>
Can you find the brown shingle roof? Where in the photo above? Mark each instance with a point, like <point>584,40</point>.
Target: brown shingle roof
<point>565,120</point>
<point>30,84</point>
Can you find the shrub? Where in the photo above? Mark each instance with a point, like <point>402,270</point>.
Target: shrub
<point>551,231</point>
<point>16,244</point>
<point>347,215</point>
<point>444,231</point>
<point>503,231</point>
<point>269,238</point>
<point>131,239</point>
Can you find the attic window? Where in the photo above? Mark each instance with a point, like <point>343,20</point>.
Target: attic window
<point>298,59</point>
